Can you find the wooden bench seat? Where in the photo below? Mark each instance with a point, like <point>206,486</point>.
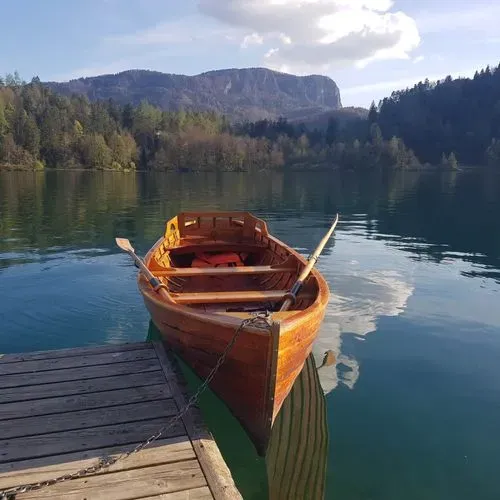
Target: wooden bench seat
<point>224,271</point>
<point>226,297</point>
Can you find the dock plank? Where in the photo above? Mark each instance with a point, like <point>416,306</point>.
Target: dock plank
<point>40,469</point>
<point>83,439</point>
<point>73,351</point>
<point>130,484</point>
<point>32,426</point>
<point>65,404</point>
<point>74,361</point>
<point>61,411</point>
<point>74,387</point>
<point>83,373</point>
<point>193,494</point>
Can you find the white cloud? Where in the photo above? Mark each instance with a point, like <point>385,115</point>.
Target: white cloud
<point>311,35</point>
<point>253,39</point>
<point>418,59</point>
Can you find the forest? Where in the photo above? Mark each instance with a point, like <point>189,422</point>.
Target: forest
<point>454,115</point>
<point>441,123</point>
<point>40,129</point>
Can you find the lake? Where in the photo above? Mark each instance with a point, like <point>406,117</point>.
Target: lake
<point>412,403</point>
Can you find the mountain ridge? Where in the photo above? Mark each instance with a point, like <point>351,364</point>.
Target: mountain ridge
<point>242,94</point>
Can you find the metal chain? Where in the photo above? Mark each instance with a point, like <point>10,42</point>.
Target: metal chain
<point>259,320</point>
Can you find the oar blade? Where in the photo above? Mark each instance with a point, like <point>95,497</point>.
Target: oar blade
<point>124,244</point>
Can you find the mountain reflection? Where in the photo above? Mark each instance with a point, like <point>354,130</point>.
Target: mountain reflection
<point>425,214</point>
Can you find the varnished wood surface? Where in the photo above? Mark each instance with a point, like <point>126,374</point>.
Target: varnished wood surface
<point>226,297</point>
<point>242,381</point>
<point>60,411</point>
<point>201,317</point>
<point>224,271</point>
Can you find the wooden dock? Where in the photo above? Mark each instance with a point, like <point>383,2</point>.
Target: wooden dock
<point>60,411</point>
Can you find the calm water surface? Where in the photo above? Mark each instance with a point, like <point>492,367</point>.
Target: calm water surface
<point>412,403</point>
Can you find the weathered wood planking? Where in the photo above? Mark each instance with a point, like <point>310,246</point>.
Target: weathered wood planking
<point>74,387</point>
<point>36,365</point>
<point>40,469</point>
<point>60,411</point>
<point>31,426</point>
<point>68,353</point>
<point>83,401</point>
<point>135,483</point>
<point>57,443</point>
<point>194,494</point>
<point>46,377</point>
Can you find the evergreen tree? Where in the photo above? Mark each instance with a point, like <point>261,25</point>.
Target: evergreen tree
<point>461,115</point>
<point>373,114</point>
<point>331,131</point>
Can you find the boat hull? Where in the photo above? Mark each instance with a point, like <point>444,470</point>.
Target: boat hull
<point>260,369</point>
<point>243,381</point>
<point>262,365</point>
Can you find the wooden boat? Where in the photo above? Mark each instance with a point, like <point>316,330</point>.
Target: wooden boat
<point>200,309</point>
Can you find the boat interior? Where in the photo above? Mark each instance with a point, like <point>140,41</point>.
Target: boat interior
<point>227,262</point>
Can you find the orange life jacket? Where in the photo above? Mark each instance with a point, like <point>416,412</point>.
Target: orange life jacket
<point>226,259</point>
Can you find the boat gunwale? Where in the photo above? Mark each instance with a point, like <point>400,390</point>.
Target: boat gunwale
<point>286,318</point>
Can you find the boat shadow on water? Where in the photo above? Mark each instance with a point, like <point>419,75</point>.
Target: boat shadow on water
<point>296,460</point>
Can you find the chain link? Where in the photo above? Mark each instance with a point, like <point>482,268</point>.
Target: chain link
<point>260,320</point>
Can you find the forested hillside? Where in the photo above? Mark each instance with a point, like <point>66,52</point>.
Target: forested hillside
<point>239,94</point>
<point>41,129</point>
<point>460,116</point>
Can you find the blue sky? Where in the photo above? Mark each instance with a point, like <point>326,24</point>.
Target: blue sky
<point>369,47</point>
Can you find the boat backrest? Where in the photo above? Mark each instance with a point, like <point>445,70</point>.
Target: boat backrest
<point>215,225</point>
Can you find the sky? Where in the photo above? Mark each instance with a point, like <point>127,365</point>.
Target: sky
<point>369,47</point>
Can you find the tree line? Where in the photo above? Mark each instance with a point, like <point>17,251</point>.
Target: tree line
<point>459,116</point>
<point>39,129</point>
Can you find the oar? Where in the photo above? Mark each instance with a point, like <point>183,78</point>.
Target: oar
<point>292,295</point>
<point>157,285</point>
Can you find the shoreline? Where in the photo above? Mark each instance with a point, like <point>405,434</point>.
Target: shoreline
<point>285,169</point>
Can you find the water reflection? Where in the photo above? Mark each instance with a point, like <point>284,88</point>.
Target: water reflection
<point>427,214</point>
<point>296,460</point>
<point>416,259</point>
<point>362,293</point>
<point>54,219</point>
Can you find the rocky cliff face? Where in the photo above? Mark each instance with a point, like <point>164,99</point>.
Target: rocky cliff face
<point>241,94</point>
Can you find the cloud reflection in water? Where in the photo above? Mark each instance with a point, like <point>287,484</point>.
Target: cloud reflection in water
<point>360,295</point>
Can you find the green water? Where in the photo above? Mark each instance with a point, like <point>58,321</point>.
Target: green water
<point>413,404</point>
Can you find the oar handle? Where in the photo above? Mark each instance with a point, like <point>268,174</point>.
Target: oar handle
<point>292,294</point>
